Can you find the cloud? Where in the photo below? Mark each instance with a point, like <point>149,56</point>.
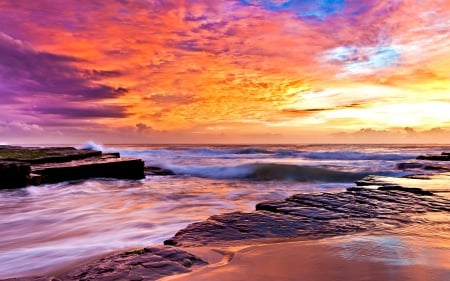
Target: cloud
<point>23,127</point>
<point>25,71</point>
<point>170,98</point>
<point>178,65</point>
<point>141,127</point>
<point>85,112</point>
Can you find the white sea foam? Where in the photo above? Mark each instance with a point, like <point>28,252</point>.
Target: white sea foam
<point>92,145</point>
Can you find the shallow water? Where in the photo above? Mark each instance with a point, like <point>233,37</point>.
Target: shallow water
<point>45,228</point>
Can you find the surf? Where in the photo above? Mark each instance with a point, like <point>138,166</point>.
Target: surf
<point>268,172</point>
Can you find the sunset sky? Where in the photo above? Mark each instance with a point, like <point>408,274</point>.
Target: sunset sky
<point>147,71</point>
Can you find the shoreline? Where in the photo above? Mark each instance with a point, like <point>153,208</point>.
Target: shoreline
<point>325,260</point>
<point>204,240</point>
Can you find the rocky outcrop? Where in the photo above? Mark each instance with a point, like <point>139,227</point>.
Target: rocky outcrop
<point>21,166</point>
<point>119,168</point>
<point>14,174</point>
<point>313,216</point>
<point>444,156</point>
<point>158,171</point>
<point>141,264</point>
<point>40,155</point>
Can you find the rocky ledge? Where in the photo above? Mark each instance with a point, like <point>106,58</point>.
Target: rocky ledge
<point>22,166</point>
<point>444,156</point>
<point>314,216</point>
<point>141,264</point>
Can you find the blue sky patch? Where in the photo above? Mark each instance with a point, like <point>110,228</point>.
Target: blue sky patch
<point>318,9</point>
<point>363,60</point>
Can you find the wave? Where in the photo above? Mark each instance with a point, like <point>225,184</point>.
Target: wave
<point>251,150</point>
<point>92,145</point>
<point>255,152</point>
<point>354,155</point>
<point>268,172</point>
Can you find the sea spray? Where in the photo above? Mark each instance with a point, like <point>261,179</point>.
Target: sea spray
<point>92,145</point>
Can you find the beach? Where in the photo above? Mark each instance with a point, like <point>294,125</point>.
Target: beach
<point>355,258</point>
<point>59,229</point>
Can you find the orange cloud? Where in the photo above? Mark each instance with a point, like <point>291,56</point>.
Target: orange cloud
<point>202,66</point>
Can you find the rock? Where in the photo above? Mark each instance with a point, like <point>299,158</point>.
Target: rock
<point>111,155</point>
<point>38,155</point>
<point>21,166</point>
<point>313,216</point>
<point>437,167</point>
<point>409,189</point>
<point>14,174</point>
<point>441,157</point>
<point>119,168</point>
<point>158,171</point>
<point>35,179</point>
<point>373,181</point>
<point>141,264</point>
<point>413,165</point>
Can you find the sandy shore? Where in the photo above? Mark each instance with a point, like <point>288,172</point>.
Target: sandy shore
<point>353,258</point>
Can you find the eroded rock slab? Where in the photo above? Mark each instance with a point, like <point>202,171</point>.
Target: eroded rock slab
<point>313,216</point>
<point>40,155</point>
<point>22,166</point>
<point>14,174</point>
<point>444,156</point>
<point>158,171</point>
<point>107,167</point>
<point>139,265</point>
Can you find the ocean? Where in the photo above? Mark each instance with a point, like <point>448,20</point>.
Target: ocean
<point>49,227</point>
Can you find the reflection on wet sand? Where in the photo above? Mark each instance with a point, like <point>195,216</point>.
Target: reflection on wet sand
<point>356,258</point>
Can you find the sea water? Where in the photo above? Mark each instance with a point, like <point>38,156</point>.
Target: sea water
<point>47,228</point>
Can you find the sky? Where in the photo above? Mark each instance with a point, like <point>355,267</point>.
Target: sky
<point>231,71</point>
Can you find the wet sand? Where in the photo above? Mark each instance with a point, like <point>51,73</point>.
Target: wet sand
<point>352,258</point>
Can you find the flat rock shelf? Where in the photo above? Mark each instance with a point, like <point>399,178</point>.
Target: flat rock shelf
<point>22,166</point>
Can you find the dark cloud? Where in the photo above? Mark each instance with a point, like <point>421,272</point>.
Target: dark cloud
<point>191,18</point>
<point>310,111</point>
<point>141,127</point>
<point>85,112</point>
<point>25,71</point>
<point>101,74</point>
<point>303,112</point>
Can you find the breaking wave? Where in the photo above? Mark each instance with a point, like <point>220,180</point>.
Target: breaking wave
<point>268,172</point>
<point>92,145</point>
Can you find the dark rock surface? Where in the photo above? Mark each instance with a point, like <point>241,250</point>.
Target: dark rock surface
<point>444,156</point>
<point>313,216</point>
<point>14,174</point>
<point>158,171</point>
<point>40,155</point>
<point>119,168</point>
<point>142,264</point>
<point>22,166</point>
